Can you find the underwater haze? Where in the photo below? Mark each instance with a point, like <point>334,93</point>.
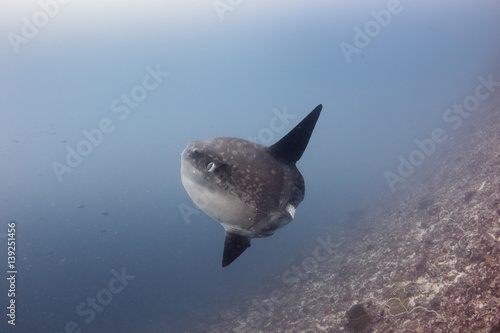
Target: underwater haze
<point>99,99</point>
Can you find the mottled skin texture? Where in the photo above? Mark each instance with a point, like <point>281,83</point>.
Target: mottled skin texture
<point>250,189</point>
<point>257,188</point>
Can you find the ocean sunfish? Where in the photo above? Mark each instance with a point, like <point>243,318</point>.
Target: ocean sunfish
<point>250,189</point>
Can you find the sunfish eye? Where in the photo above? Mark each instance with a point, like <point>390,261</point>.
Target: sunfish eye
<point>196,152</point>
<point>211,166</point>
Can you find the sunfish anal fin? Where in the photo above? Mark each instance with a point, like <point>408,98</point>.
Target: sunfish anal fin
<point>234,245</point>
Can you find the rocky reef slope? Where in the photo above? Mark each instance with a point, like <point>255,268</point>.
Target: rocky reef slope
<point>423,259</point>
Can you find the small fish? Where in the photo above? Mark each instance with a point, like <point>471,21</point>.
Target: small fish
<point>81,206</point>
<point>105,213</point>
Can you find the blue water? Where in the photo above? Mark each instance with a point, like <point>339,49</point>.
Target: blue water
<point>143,79</point>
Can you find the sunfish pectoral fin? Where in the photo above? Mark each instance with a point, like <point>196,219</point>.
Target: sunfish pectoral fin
<point>234,245</point>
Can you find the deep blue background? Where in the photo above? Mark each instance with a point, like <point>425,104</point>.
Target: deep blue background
<point>225,78</point>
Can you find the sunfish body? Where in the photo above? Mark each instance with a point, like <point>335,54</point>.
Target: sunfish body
<point>250,189</point>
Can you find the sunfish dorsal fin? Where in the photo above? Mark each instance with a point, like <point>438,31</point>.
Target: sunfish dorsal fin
<point>291,147</point>
<point>234,245</point>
